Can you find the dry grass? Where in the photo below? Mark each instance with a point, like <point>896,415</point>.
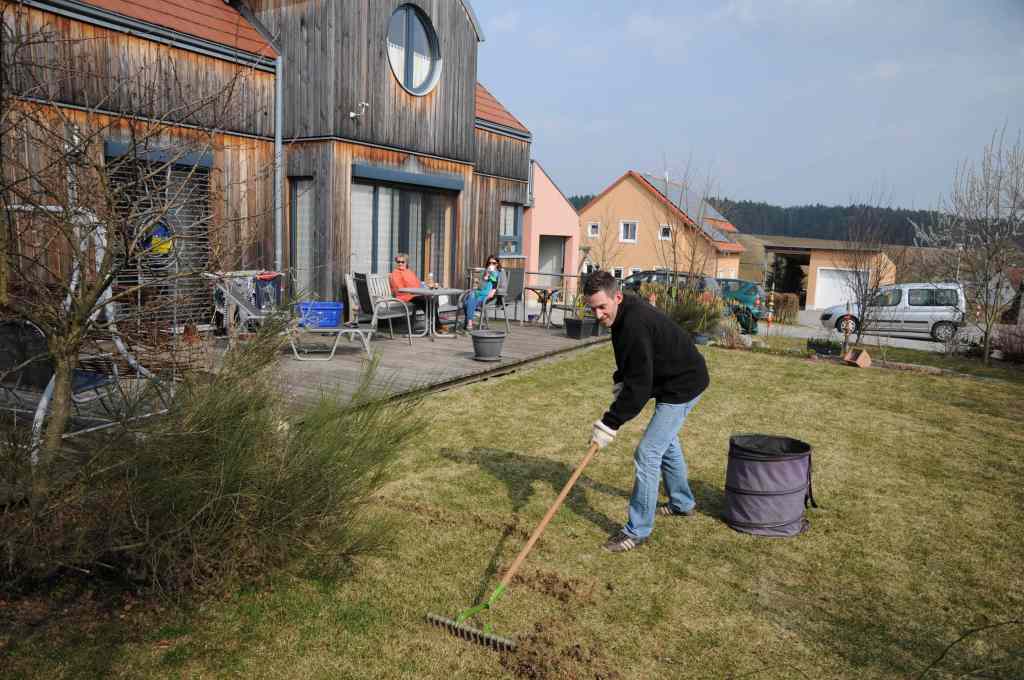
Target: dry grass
<point>919,538</point>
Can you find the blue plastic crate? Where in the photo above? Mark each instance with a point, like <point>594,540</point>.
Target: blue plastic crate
<point>320,314</point>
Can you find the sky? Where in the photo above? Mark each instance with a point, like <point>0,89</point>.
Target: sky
<point>790,102</point>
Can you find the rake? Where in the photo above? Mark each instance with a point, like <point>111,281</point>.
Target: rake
<point>458,625</point>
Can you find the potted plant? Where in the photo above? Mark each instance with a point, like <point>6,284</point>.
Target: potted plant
<point>825,346</point>
<point>578,324</point>
<point>487,344</point>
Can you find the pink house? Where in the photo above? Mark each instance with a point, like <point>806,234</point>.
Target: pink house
<point>550,229</point>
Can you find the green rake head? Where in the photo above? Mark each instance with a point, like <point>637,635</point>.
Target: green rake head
<point>495,642</point>
<point>483,637</point>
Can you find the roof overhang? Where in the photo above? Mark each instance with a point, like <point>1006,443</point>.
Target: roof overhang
<point>473,20</point>
<point>99,16</point>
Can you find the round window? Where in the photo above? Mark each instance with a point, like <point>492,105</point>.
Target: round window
<point>413,50</point>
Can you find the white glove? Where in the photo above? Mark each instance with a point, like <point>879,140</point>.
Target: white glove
<point>616,390</point>
<point>602,435</point>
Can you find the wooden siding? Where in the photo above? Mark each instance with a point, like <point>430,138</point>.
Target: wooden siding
<point>336,56</point>
<point>241,178</point>
<point>107,70</point>
<point>502,155</point>
<point>330,165</point>
<point>488,195</point>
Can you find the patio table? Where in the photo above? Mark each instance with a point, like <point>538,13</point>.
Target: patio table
<point>431,295</point>
<point>544,295</point>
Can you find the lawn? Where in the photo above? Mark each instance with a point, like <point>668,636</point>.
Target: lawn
<point>918,540</point>
<point>880,350</point>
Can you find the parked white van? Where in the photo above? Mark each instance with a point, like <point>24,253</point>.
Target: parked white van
<point>935,309</point>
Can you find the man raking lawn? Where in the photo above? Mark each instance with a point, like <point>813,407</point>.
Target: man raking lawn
<point>654,357</point>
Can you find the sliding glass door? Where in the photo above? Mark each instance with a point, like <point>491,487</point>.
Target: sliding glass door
<point>387,220</point>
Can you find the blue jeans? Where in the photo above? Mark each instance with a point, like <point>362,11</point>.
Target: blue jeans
<point>659,456</point>
<point>473,300</point>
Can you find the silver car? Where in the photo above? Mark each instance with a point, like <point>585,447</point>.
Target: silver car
<point>933,309</point>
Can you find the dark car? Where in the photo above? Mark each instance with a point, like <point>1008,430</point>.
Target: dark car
<point>745,294</point>
<point>666,278</point>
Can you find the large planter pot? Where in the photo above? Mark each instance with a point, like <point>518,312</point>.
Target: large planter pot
<point>487,345</point>
<point>599,329</point>
<point>701,338</point>
<point>579,328</point>
<point>823,348</point>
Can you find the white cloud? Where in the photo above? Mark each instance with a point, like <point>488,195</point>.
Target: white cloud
<point>888,70</point>
<point>543,37</point>
<point>665,36</point>
<point>644,27</point>
<point>750,13</point>
<point>505,23</point>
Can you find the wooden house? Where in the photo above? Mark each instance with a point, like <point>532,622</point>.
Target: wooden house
<point>392,145</point>
<point>359,128</point>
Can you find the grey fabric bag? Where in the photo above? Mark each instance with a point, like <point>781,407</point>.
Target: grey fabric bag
<point>768,485</point>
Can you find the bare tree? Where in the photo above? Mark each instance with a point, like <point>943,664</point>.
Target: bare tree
<point>868,264</point>
<point>980,228</point>
<point>606,246</point>
<point>686,249</point>
<point>106,220</point>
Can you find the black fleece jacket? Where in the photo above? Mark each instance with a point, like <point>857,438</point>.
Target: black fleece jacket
<point>654,357</point>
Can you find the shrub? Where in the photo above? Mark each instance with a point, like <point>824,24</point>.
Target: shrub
<point>729,334</point>
<point>229,484</point>
<point>787,308</point>
<point>660,292</point>
<point>696,312</point>
<point>826,346</point>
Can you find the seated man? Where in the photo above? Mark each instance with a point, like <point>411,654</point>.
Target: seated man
<point>403,277</point>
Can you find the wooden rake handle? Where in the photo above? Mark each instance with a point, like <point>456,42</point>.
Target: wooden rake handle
<point>547,518</point>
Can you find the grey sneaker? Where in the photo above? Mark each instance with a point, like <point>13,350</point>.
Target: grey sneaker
<point>669,511</point>
<point>620,542</point>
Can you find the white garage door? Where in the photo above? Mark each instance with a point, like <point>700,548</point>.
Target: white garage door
<point>832,287</point>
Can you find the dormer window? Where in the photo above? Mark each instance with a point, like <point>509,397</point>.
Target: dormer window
<point>413,50</point>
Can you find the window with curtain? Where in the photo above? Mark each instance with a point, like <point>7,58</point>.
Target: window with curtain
<point>387,220</point>
<point>510,230</point>
<point>413,50</point>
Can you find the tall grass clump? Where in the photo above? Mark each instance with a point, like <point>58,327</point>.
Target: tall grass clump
<point>232,482</point>
<point>786,308</point>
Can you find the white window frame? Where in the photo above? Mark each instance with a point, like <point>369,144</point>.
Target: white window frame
<point>634,270</point>
<point>593,232</point>
<point>661,235</point>
<point>617,272</point>
<point>636,235</point>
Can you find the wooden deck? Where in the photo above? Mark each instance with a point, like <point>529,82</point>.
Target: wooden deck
<point>428,364</point>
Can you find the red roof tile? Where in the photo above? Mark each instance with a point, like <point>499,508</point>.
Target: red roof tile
<point>207,19</point>
<point>490,109</point>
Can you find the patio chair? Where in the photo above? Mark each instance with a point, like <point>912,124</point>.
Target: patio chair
<point>98,397</point>
<point>511,285</point>
<point>448,310</point>
<point>563,301</point>
<point>374,292</point>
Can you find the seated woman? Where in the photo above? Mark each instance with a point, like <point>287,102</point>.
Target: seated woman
<point>404,277</point>
<point>485,289</point>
